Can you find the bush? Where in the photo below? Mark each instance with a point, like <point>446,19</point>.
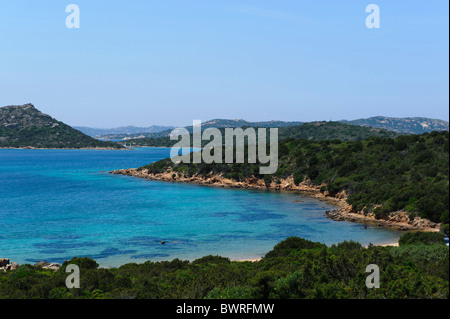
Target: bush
<point>291,244</point>
<point>84,263</point>
<point>237,292</point>
<point>426,238</point>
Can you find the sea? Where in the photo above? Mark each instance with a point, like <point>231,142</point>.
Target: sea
<point>59,204</point>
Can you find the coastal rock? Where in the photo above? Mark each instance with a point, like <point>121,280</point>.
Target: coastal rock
<point>54,267</point>
<point>334,215</point>
<point>424,223</point>
<point>399,220</point>
<point>41,264</point>
<point>4,262</point>
<point>5,265</point>
<point>47,265</point>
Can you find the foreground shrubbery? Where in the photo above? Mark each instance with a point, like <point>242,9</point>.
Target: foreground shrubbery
<point>295,268</point>
<point>421,238</point>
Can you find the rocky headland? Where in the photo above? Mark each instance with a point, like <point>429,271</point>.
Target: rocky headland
<point>7,265</point>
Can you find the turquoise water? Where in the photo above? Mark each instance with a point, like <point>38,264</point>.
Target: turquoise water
<point>57,204</point>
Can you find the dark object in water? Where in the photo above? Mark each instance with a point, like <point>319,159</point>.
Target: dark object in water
<point>163,242</point>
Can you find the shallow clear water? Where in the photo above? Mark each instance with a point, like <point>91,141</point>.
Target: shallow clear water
<point>57,204</point>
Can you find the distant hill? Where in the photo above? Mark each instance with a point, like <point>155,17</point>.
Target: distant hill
<point>315,131</point>
<point>320,131</point>
<point>25,126</point>
<point>218,123</point>
<point>413,125</point>
<point>123,130</point>
<point>409,125</point>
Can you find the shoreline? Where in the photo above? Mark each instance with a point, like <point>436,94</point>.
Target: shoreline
<point>56,266</point>
<point>68,148</point>
<point>396,220</point>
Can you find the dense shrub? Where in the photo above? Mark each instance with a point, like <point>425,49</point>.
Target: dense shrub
<point>426,238</point>
<point>295,268</point>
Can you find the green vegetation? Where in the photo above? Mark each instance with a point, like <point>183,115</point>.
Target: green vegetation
<point>320,131</point>
<point>379,175</point>
<point>416,125</point>
<point>315,131</point>
<point>153,142</point>
<point>62,136</point>
<point>409,125</point>
<point>421,238</point>
<point>295,268</point>
<point>25,126</point>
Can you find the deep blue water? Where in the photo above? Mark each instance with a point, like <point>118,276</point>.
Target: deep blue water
<point>57,204</point>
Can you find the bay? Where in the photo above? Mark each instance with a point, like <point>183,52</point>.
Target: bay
<point>58,204</point>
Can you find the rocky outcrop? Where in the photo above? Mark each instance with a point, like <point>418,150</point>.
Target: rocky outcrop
<point>398,220</point>
<point>218,180</point>
<point>5,265</point>
<point>47,265</point>
<point>4,262</point>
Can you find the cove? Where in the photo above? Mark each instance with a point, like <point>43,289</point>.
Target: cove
<point>58,204</point>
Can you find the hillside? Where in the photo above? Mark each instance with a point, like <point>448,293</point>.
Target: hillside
<point>409,125</point>
<point>378,175</point>
<point>317,131</point>
<point>219,123</point>
<point>413,125</point>
<point>310,131</point>
<point>23,126</point>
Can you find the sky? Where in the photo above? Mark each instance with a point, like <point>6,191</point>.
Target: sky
<point>171,62</point>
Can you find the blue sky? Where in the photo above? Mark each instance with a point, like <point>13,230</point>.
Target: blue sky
<point>170,62</point>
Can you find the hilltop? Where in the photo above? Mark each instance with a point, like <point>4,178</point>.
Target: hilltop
<point>24,126</point>
<point>217,123</point>
<point>409,125</point>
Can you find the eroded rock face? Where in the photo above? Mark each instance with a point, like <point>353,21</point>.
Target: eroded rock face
<point>4,262</point>
<point>5,265</point>
<point>399,220</point>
